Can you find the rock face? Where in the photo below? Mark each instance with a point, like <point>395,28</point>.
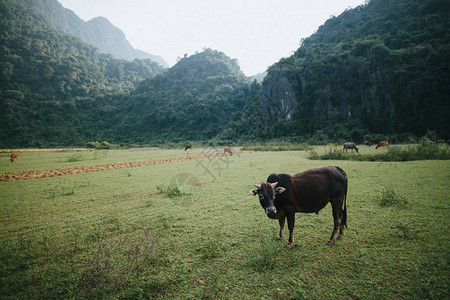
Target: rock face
<point>331,103</point>
<point>277,100</point>
<point>366,70</point>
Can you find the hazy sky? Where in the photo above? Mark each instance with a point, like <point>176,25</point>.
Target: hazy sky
<point>256,32</point>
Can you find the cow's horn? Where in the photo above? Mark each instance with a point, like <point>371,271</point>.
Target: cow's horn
<point>258,186</point>
<point>274,184</point>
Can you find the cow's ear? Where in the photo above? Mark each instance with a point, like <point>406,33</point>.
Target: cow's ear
<point>279,190</point>
<point>254,192</point>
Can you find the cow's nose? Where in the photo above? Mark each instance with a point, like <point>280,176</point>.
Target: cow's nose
<point>271,210</point>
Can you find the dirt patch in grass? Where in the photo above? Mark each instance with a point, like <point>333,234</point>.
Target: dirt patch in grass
<point>24,175</point>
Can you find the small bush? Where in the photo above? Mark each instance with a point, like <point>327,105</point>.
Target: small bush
<point>93,145</point>
<point>394,153</point>
<point>390,198</point>
<point>76,157</point>
<point>332,153</point>
<point>102,145</point>
<point>172,191</point>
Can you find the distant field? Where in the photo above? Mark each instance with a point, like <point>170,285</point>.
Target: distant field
<point>122,234</point>
<point>39,159</point>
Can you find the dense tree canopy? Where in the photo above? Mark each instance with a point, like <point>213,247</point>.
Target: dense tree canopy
<point>382,68</point>
<point>55,89</point>
<point>194,100</point>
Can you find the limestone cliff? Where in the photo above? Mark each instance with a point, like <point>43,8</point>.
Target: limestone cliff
<point>277,100</point>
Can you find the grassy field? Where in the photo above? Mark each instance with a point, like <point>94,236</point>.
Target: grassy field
<point>121,234</point>
<point>43,160</point>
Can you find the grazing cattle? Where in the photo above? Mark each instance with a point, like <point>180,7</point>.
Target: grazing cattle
<point>227,150</point>
<point>13,157</point>
<point>441,141</point>
<point>367,143</point>
<point>308,192</point>
<point>188,147</point>
<point>382,144</point>
<point>349,145</point>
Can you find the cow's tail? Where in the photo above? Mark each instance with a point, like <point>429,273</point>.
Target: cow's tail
<point>344,217</point>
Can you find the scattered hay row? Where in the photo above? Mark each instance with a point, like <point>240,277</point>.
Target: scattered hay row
<point>43,150</point>
<point>24,175</point>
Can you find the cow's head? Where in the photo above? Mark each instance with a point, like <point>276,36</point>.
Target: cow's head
<point>267,192</point>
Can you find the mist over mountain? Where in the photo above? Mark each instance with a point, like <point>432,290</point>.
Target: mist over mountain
<point>98,32</point>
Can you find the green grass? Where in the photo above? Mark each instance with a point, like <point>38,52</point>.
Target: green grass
<point>42,160</point>
<point>390,197</point>
<point>393,153</point>
<point>277,146</point>
<point>113,234</point>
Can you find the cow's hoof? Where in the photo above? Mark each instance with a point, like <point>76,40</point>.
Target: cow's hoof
<point>288,246</point>
<point>329,243</point>
<point>278,239</point>
<point>339,238</point>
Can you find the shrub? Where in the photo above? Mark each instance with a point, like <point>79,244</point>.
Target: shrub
<point>172,191</point>
<point>390,198</point>
<point>425,151</point>
<point>105,145</point>
<point>97,145</point>
<point>332,153</point>
<point>76,157</point>
<point>319,138</point>
<point>93,145</point>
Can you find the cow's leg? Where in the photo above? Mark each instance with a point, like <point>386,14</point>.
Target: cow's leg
<point>337,217</point>
<point>281,221</point>
<point>341,232</point>
<point>291,224</point>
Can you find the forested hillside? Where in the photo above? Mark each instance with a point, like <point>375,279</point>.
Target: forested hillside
<point>380,68</point>
<point>55,89</point>
<point>194,100</point>
<point>98,32</point>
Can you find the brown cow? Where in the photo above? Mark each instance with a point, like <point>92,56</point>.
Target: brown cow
<point>227,150</point>
<point>382,144</point>
<point>349,145</point>
<point>13,157</point>
<point>283,195</point>
<point>188,147</point>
